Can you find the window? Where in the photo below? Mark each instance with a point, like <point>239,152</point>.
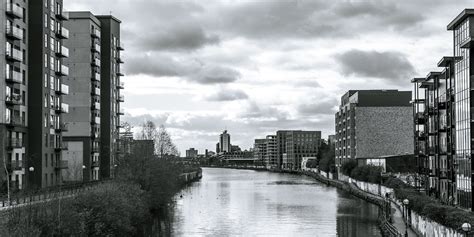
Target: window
<point>46,60</point>
<point>45,80</point>
<point>46,160</point>
<point>46,40</point>
<point>46,21</point>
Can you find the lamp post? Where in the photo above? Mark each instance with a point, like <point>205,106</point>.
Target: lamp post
<point>405,207</point>
<point>466,228</point>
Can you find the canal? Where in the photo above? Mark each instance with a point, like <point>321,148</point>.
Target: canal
<point>228,202</point>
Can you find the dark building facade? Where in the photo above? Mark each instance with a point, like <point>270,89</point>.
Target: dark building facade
<point>46,33</point>
<point>293,145</point>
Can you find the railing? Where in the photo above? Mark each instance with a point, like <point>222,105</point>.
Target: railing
<point>14,76</point>
<point>14,10</point>
<point>14,99</point>
<point>14,32</point>
<point>14,54</point>
<point>15,143</point>
<point>64,108</point>
<point>62,33</point>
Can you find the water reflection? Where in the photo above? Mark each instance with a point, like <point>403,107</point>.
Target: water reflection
<point>251,203</point>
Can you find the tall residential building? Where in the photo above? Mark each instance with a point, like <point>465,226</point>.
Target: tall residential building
<point>260,150</point>
<point>14,116</point>
<point>293,145</point>
<point>434,124</point>
<point>111,98</point>
<point>46,107</point>
<point>191,153</point>
<point>224,142</point>
<point>373,123</point>
<point>83,120</point>
<point>272,151</point>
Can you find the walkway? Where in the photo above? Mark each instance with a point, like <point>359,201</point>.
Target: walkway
<point>398,222</point>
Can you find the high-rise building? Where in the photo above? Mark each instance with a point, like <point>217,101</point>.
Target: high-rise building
<point>272,151</point>
<point>83,120</point>
<point>373,123</point>
<point>111,98</point>
<point>191,153</point>
<point>15,103</point>
<point>293,145</point>
<point>46,73</point>
<point>224,142</point>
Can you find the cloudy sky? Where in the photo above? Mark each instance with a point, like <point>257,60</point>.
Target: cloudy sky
<point>258,66</point>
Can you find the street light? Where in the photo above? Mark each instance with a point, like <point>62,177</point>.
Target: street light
<point>466,228</point>
<point>405,205</point>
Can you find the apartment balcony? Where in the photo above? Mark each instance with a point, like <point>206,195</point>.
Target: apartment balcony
<point>119,126</point>
<point>14,10</point>
<point>15,121</point>
<point>120,46</point>
<point>120,74</point>
<point>95,91</point>
<point>120,85</point>
<point>420,135</point>
<point>95,62</point>
<point>442,105</point>
<point>63,52</point>
<point>14,99</point>
<point>96,106</point>
<point>95,120</point>
<point>95,76</point>
<point>120,112</point>
<point>95,33</point>
<point>62,15</point>
<point>62,89</point>
<point>120,98</point>
<point>96,48</point>
<point>13,32</point>
<point>95,164</point>
<point>14,77</point>
<point>61,127</point>
<point>62,71</point>
<point>13,54</point>
<point>119,60</point>
<point>15,143</point>
<point>61,165</point>
<point>62,33</point>
<point>16,165</point>
<point>63,108</point>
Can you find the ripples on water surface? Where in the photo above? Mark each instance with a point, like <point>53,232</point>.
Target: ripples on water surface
<point>230,202</point>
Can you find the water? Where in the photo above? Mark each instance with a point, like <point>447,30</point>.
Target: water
<point>230,202</point>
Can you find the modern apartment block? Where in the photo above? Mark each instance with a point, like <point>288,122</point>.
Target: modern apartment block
<point>271,155</point>
<point>260,150</point>
<point>434,129</point>
<point>14,105</point>
<point>46,73</point>
<point>294,145</point>
<point>111,97</point>
<point>83,120</point>
<point>373,123</point>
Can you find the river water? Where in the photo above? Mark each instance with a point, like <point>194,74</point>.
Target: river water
<point>228,202</point>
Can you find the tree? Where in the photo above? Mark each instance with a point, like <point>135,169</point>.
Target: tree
<point>326,157</point>
<point>164,144</point>
<point>148,131</point>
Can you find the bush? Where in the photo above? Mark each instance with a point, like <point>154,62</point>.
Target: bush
<point>348,166</point>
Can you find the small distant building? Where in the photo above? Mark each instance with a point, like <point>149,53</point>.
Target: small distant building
<point>224,143</point>
<point>331,139</point>
<point>191,153</point>
<point>271,156</point>
<point>260,151</point>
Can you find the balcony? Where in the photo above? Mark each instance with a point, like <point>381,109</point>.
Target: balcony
<point>120,46</point>
<point>15,121</point>
<point>420,118</point>
<point>14,55</point>
<point>442,105</point>
<point>62,15</point>
<point>120,74</point>
<point>14,99</point>
<point>95,91</point>
<point>15,143</point>
<point>96,48</point>
<point>95,62</point>
<point>95,33</point>
<point>62,71</point>
<point>62,90</point>
<point>96,106</point>
<point>14,77</point>
<point>120,98</point>
<point>14,33</point>
<point>95,135</point>
<point>61,127</point>
<point>62,33</point>
<point>63,52</point>
<point>95,76</point>
<point>63,164</point>
<point>14,10</point>
<point>64,108</point>
<point>120,112</point>
<point>421,135</point>
<point>120,85</point>
<point>95,164</point>
<point>95,120</point>
<point>16,165</point>
<point>119,60</point>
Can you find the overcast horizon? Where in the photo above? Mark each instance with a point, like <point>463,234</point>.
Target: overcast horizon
<point>255,67</point>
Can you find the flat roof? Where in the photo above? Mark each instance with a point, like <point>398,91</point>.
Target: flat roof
<point>431,75</point>
<point>109,17</point>
<point>84,15</point>
<point>447,60</point>
<point>461,17</point>
<point>418,79</point>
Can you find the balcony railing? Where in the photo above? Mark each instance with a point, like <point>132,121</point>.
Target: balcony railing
<point>14,99</point>
<point>95,120</point>
<point>96,62</point>
<point>17,165</point>
<point>95,163</point>
<point>63,52</point>
<point>96,48</point>
<point>95,91</point>
<point>62,15</point>
<point>15,143</point>
<point>95,76</point>
<point>62,33</point>
<point>15,121</point>
<point>96,106</point>
<point>62,89</point>
<point>121,112</point>
<point>120,74</point>
<point>63,164</point>
<point>62,127</point>
<point>119,60</point>
<point>120,98</point>
<point>63,70</point>
<point>14,10</point>
<point>14,77</point>
<point>120,85</point>
<point>120,46</point>
<point>95,33</point>
<point>14,32</point>
<point>64,108</point>
<point>14,54</point>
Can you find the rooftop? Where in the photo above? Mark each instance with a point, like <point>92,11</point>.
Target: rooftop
<point>461,17</point>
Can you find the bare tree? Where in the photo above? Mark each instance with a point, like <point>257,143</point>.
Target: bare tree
<point>148,131</point>
<point>164,143</point>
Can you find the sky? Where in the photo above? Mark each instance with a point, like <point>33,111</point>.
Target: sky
<point>255,67</point>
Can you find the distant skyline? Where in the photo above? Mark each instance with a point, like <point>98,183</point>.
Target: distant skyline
<point>255,67</point>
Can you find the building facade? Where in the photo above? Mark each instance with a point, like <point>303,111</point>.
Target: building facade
<point>111,97</point>
<point>83,120</point>
<point>294,145</point>
<point>46,33</point>
<point>260,151</point>
<point>191,153</point>
<point>271,156</point>
<point>373,123</point>
<point>224,144</point>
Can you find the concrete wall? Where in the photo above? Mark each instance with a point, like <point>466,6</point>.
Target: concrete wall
<point>382,131</point>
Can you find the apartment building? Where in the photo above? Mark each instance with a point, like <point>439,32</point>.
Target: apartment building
<point>14,106</point>
<point>293,145</point>
<point>271,154</point>
<point>224,144</point>
<point>46,33</point>
<point>83,120</point>
<point>373,123</point>
<point>260,151</point>
<point>111,97</point>
<point>434,140</point>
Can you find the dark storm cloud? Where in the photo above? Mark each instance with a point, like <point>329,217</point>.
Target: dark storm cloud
<point>386,65</point>
<point>317,106</point>
<point>224,94</point>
